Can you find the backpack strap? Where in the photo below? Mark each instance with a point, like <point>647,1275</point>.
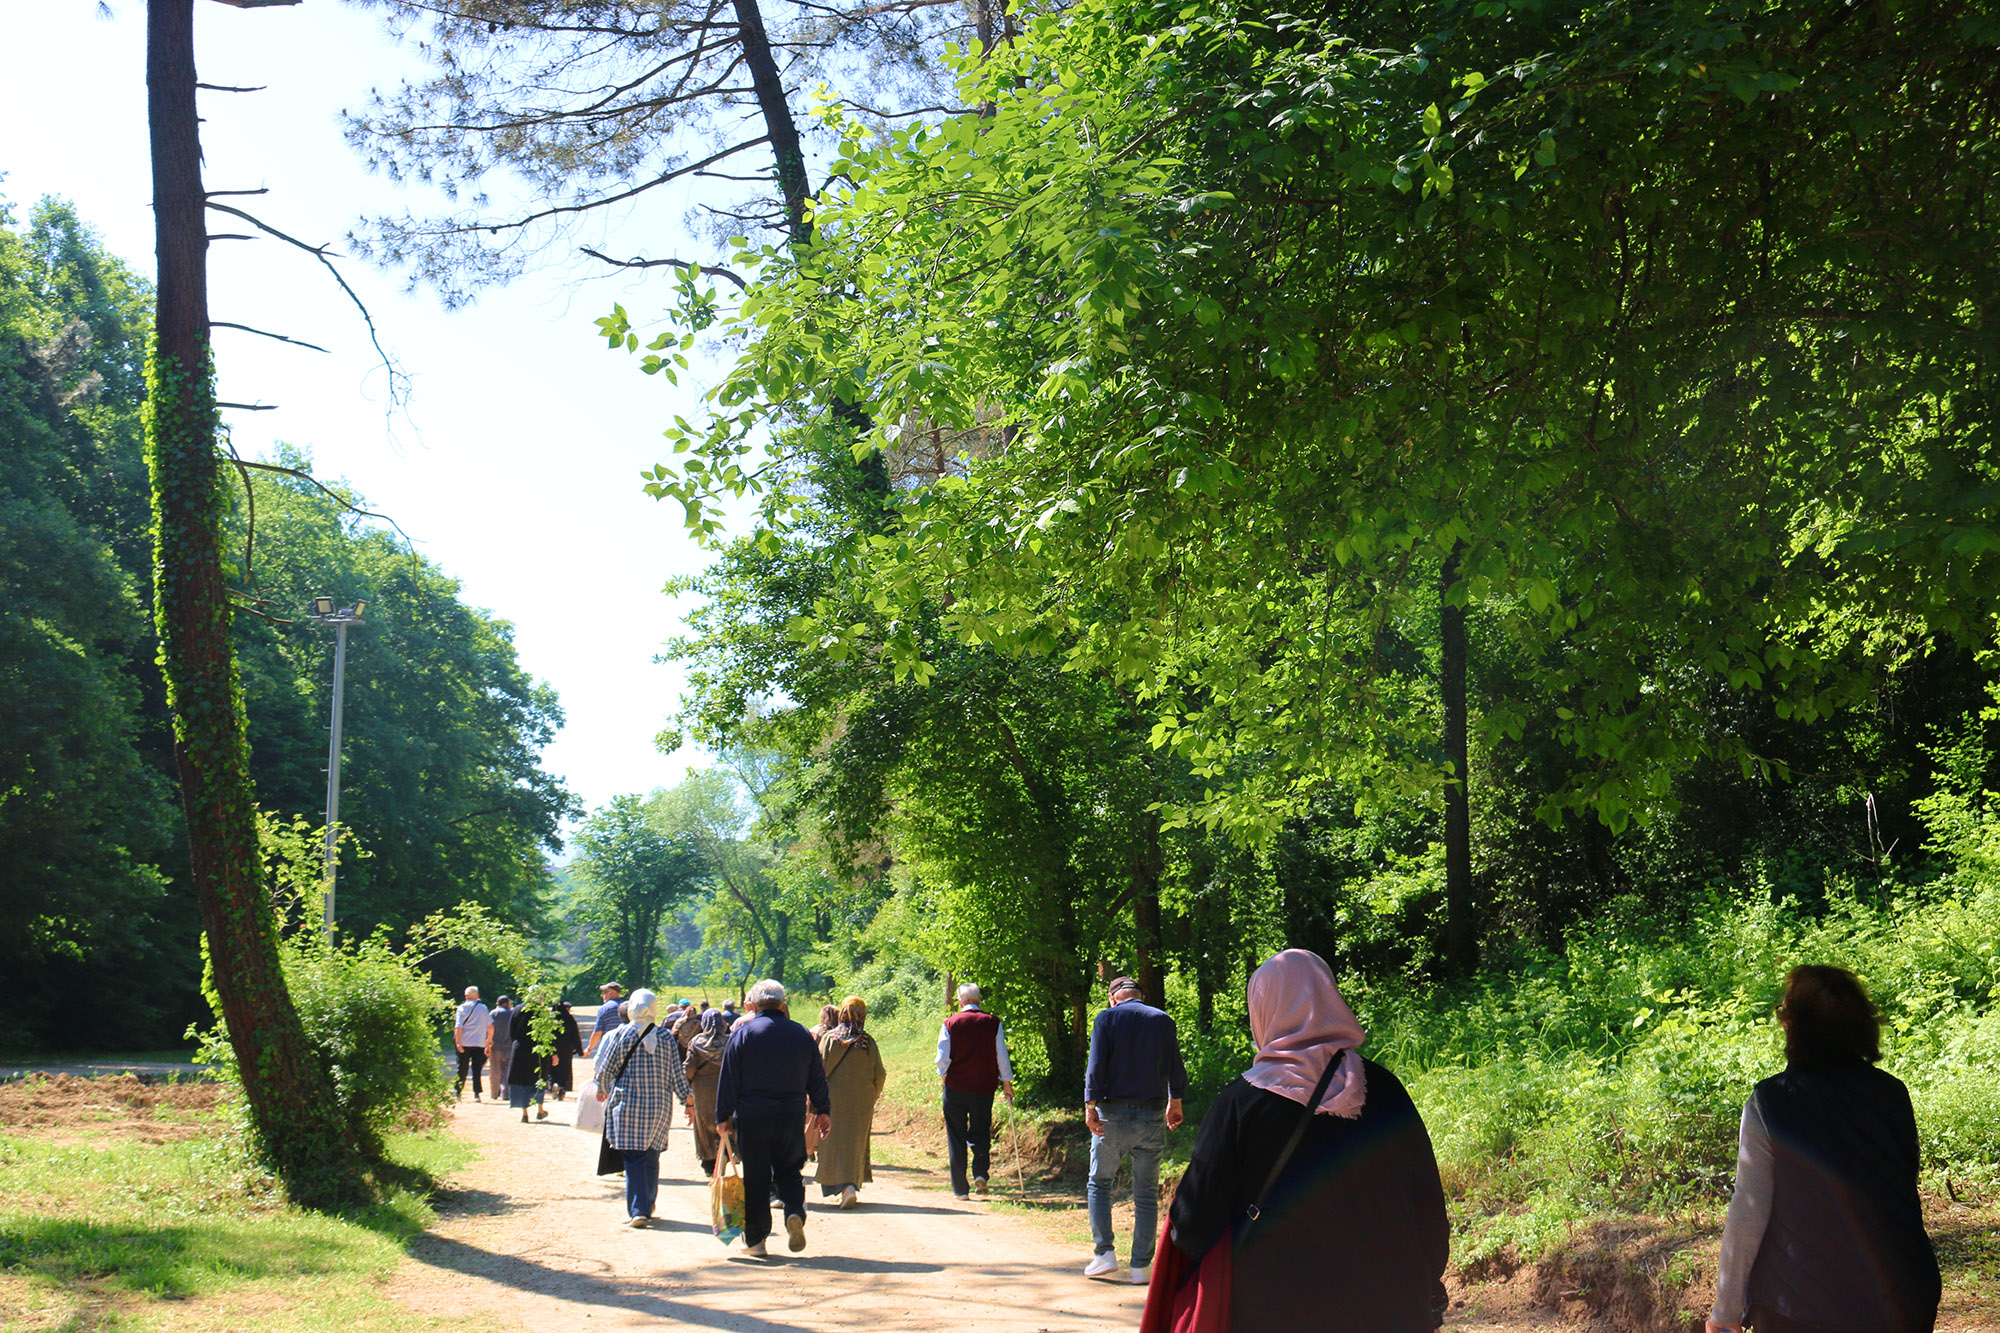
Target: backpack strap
<point>1256,1210</point>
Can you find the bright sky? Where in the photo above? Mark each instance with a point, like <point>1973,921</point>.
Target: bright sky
<point>516,466</point>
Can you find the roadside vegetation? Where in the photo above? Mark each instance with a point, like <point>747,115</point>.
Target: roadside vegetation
<point>130,1205</point>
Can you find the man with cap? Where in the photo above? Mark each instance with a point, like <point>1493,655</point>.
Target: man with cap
<point>972,1061</point>
<point>771,1074</point>
<point>607,1020</point>
<point>1132,1090</point>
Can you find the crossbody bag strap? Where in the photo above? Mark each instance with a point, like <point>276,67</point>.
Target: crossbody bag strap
<point>1256,1210</point>
<point>628,1055</point>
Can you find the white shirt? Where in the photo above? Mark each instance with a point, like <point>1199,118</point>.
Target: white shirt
<point>473,1024</point>
<point>999,1039</point>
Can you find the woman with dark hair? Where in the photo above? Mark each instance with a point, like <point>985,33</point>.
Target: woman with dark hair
<point>855,1076</point>
<point>1826,1231</point>
<point>1312,1199</point>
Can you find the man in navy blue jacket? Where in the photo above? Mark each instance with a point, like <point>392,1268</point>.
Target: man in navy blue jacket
<point>771,1072</point>
<point>1132,1090</point>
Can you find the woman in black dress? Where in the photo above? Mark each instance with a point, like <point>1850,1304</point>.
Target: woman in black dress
<point>1351,1236</point>
<point>569,1044</point>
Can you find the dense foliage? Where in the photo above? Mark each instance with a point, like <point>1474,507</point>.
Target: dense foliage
<point>442,783</point>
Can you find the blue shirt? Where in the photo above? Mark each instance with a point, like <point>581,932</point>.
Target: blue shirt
<point>607,1019</point>
<point>1135,1056</point>
<point>771,1066</point>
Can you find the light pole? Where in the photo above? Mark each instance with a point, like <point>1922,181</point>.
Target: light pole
<point>323,613</point>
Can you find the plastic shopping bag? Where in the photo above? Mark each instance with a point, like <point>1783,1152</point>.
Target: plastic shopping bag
<point>589,1111</point>
<point>725,1200</point>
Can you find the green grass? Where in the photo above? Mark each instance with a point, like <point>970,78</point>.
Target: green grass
<point>134,1235</point>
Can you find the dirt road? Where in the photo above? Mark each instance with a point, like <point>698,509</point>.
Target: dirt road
<point>529,1237</point>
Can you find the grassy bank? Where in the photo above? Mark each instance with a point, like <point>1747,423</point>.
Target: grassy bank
<point>124,1206</point>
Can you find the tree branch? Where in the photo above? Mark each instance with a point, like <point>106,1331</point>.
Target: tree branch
<point>296,342</point>
<point>687,264</point>
<point>319,252</point>
<point>230,88</point>
<point>251,407</point>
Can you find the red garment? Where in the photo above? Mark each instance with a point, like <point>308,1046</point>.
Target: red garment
<point>974,1054</point>
<point>1185,1297</point>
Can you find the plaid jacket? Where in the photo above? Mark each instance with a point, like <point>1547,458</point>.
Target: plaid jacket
<point>640,1109</point>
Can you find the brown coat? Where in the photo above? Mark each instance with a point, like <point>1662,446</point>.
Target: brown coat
<point>854,1076</point>
<point>703,1072</point>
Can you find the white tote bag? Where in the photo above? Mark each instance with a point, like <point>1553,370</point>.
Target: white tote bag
<point>589,1111</point>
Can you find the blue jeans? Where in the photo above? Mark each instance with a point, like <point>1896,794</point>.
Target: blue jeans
<point>642,1181</point>
<point>1138,1132</point>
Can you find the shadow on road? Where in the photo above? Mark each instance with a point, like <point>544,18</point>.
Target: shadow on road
<point>637,1295</point>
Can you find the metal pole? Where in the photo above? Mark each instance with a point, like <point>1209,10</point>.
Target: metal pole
<point>333,772</point>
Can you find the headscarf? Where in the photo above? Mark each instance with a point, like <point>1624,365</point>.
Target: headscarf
<point>644,1008</point>
<point>714,1034</point>
<point>853,1015</point>
<point>829,1017</point>
<point>1300,1023</point>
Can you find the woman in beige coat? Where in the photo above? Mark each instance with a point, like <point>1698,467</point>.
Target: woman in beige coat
<point>854,1076</point>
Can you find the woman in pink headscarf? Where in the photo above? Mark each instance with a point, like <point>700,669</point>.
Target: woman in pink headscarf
<point>1348,1233</point>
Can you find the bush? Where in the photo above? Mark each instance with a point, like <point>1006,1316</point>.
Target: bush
<point>1611,1077</point>
<point>375,1021</point>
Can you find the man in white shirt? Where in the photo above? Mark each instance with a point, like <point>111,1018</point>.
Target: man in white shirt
<point>472,1030</point>
<point>972,1061</point>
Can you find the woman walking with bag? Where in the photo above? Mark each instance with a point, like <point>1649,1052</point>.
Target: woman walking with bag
<point>1313,1199</point>
<point>854,1078</point>
<point>638,1077</point>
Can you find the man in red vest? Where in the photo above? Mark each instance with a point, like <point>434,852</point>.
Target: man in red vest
<point>972,1060</point>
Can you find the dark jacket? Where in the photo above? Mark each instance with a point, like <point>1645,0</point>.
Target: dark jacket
<point>1135,1056</point>
<point>770,1066</point>
<point>1353,1238</point>
<point>1845,1246</point>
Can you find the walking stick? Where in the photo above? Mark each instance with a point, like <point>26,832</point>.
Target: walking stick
<point>1014,1125</point>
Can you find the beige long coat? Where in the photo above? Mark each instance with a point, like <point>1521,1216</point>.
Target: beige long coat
<point>854,1076</point>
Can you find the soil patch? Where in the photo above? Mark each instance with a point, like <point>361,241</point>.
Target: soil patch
<point>121,1106</point>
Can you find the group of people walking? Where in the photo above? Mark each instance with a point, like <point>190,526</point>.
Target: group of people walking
<point>753,1086</point>
<point>1312,1198</point>
<point>502,1040</point>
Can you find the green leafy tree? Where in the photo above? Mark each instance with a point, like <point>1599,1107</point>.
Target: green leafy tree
<point>634,877</point>
<point>86,835</point>
<point>442,779</point>
<point>1267,345</point>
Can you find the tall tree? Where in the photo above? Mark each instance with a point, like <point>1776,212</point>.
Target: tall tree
<point>1279,317</point>
<point>634,877</point>
<point>443,785</point>
<point>298,1121</point>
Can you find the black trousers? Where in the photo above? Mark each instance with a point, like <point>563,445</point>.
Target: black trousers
<point>968,1123</point>
<point>773,1152</point>
<point>473,1057</point>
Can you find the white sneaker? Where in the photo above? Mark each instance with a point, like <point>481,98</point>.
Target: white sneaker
<point>1100,1265</point>
<point>849,1196</point>
<point>979,1186</point>
<point>755,1251</point>
<point>1142,1276</point>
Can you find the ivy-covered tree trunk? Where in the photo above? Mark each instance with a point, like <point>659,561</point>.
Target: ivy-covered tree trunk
<point>1461,944</point>
<point>297,1120</point>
